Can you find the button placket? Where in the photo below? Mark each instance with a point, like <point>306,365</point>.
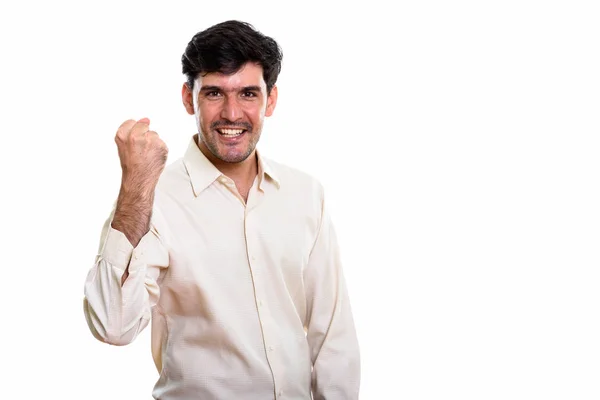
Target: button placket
<point>263,313</point>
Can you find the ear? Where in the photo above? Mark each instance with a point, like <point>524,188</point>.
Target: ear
<point>271,101</point>
<point>187,98</point>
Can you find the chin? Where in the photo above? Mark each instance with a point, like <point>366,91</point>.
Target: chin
<point>235,158</point>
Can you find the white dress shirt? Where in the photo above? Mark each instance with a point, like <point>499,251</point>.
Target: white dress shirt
<point>247,300</point>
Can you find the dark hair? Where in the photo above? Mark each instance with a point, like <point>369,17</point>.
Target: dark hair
<point>227,46</point>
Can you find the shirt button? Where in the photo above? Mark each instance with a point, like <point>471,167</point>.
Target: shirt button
<point>260,303</point>
<point>271,348</point>
<point>253,258</point>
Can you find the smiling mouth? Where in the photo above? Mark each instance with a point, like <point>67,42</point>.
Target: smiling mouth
<point>230,133</point>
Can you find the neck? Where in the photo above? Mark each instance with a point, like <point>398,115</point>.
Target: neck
<point>244,171</point>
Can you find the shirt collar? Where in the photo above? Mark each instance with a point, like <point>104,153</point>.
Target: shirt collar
<point>265,170</point>
<point>203,173</point>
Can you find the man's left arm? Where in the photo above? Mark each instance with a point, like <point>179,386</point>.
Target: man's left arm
<point>330,326</point>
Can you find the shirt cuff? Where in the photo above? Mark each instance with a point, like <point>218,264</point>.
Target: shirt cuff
<point>117,249</point>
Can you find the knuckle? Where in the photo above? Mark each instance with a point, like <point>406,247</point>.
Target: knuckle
<point>127,124</point>
<point>125,127</point>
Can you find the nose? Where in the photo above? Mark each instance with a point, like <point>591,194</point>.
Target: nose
<point>231,109</point>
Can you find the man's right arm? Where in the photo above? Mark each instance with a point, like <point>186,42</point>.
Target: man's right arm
<point>121,288</point>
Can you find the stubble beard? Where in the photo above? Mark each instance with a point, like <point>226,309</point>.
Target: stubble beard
<point>211,144</point>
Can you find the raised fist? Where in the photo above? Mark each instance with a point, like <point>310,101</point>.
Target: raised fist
<point>142,152</point>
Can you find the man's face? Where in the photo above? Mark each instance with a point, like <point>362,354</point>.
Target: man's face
<point>230,110</point>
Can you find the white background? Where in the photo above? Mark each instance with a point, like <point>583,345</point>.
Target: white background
<point>457,141</point>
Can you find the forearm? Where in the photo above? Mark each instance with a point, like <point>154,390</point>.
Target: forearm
<point>134,209</point>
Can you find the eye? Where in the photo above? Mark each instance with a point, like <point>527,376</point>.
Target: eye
<point>248,94</point>
<point>213,93</point>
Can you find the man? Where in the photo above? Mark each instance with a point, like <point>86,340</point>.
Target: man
<point>232,256</point>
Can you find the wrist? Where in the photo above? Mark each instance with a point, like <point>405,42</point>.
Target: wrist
<point>138,185</point>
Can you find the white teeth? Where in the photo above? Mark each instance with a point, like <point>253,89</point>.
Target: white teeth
<point>231,132</point>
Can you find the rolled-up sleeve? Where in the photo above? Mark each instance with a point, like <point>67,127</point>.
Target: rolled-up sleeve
<point>330,326</point>
<point>117,313</point>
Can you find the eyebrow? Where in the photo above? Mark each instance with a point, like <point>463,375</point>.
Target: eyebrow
<point>209,88</point>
